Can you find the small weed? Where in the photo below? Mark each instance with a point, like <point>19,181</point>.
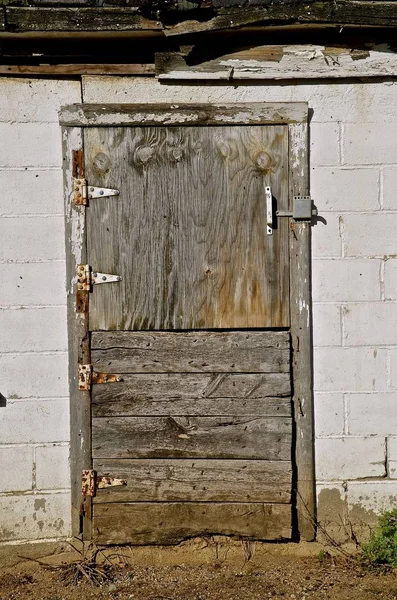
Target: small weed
<point>381,550</point>
<point>87,567</point>
<point>323,556</point>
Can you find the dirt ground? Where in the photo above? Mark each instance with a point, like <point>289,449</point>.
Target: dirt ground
<point>216,573</point>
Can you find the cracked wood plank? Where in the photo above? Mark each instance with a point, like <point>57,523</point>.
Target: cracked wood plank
<point>172,522</point>
<point>192,480</point>
<point>280,62</point>
<point>343,12</point>
<point>194,394</point>
<point>267,438</point>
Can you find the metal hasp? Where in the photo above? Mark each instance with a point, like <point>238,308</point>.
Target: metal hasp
<point>269,210</point>
<point>88,377</point>
<point>86,278</point>
<point>84,192</point>
<point>302,209</point>
<point>90,482</point>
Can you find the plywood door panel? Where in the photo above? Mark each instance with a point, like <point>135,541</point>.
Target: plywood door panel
<point>188,232</point>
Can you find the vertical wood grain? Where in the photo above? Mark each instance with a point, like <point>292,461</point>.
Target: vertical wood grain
<point>187,233</point>
<point>301,330</point>
<point>78,335</point>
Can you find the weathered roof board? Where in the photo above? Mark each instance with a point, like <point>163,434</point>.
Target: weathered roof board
<point>176,19</point>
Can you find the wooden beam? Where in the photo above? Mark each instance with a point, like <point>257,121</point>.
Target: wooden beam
<point>78,336</point>
<point>77,69</point>
<point>343,12</point>
<point>117,18</point>
<point>280,62</point>
<point>22,19</point>
<point>97,115</point>
<point>301,331</point>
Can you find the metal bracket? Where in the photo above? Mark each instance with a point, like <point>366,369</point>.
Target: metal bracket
<point>302,209</point>
<point>90,482</point>
<point>269,210</point>
<point>86,278</point>
<point>85,377</point>
<point>84,192</point>
<point>89,377</point>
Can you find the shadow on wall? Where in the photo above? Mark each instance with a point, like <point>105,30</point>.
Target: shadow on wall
<point>3,401</point>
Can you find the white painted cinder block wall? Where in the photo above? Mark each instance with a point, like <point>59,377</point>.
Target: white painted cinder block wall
<point>353,175</point>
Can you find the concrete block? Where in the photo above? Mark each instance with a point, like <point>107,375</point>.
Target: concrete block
<point>369,143</point>
<point>389,198</point>
<point>33,329</point>
<point>392,456</point>
<point>342,189</point>
<point>372,414</point>
<point>375,497</point>
<point>391,280</point>
<point>327,330</point>
<point>346,280</point>
<point>349,369</point>
<point>26,239</point>
<point>52,467</point>
<point>329,414</point>
<point>368,101</point>
<point>30,145</point>
<point>17,469</point>
<point>370,234</point>
<point>370,324</point>
<point>28,422</point>
<point>27,100</point>
<point>339,459</point>
<point>31,191</point>
<point>324,144</point>
<point>35,517</point>
<point>32,284</point>
<point>326,238</point>
<point>393,368</point>
<point>34,376</point>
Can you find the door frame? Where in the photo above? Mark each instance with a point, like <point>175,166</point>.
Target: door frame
<point>74,119</point>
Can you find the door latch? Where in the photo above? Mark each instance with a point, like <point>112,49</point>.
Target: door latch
<point>302,210</point>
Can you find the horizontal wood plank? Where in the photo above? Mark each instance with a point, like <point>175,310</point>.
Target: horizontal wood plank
<point>78,69</point>
<point>22,19</point>
<point>169,523</point>
<point>194,394</point>
<point>192,437</point>
<point>163,352</point>
<point>195,114</point>
<point>198,480</point>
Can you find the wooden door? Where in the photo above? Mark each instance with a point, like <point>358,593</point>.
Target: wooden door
<point>190,410</point>
<point>200,426</point>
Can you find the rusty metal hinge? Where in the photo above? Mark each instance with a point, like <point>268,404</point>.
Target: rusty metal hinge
<point>87,377</point>
<point>86,278</point>
<point>84,192</point>
<point>91,482</point>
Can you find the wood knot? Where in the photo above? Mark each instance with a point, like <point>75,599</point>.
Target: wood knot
<point>264,161</point>
<point>143,154</point>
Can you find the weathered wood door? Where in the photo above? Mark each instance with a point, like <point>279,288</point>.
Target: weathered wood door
<point>198,420</point>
